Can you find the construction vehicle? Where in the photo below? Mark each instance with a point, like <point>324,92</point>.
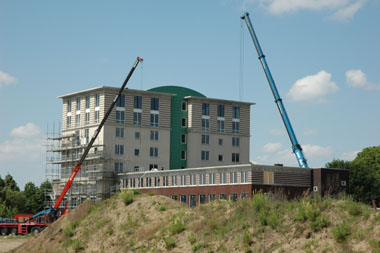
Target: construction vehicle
<point>23,224</point>
<point>297,149</point>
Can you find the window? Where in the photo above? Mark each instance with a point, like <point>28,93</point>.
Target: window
<point>174,180</point>
<point>183,122</point>
<point>235,127</point>
<point>220,110</point>
<point>119,167</point>
<point>156,181</point>
<point>205,124</point>
<point>141,182</point>
<point>235,142</point>
<point>205,155</point>
<point>137,102</point>
<point>183,138</point>
<point>220,142</point>
<point>244,177</point>
<point>192,179</point>
<point>87,134</point>
<point>202,199</point>
<point>233,197</point>
<point>87,118</point>
<point>243,195</point>
<point>97,116</point>
<point>119,117</point>
<point>222,177</point>
<point>235,157</point>
<point>78,104</point>
<point>220,126</point>
<point>154,104</point>
<point>120,102</point>
<point>192,201</point>
<point>205,139</point>
<point>137,135</point>
<point>68,121</point>
<point>77,120</point>
<point>183,154</point>
<point>236,112</point>
<point>183,199</point>
<point>137,152</point>
<point>183,179</point>
<point>97,100</point>
<point>205,109</point>
<point>153,152</point>
<point>165,180</point>
<point>119,132</point>
<point>154,135</point>
<point>153,166</point>
<point>88,102</point>
<point>69,105</point>
<point>211,197</point>
<point>212,178</point>
<point>119,149</point>
<point>148,182</point>
<point>137,118</point>
<point>174,197</point>
<point>222,196</point>
<point>132,183</point>
<point>136,168</point>
<point>184,106</point>
<point>202,178</point>
<point>233,177</point>
<point>268,177</point>
<point>220,158</point>
<point>153,120</point>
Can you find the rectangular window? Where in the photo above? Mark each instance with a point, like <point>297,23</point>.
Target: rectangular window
<point>211,197</point>
<point>174,197</point>
<point>137,118</point>
<point>233,177</point>
<point>183,154</point>
<point>244,177</point>
<point>268,177</point>
<point>119,117</point>
<point>97,100</point>
<point>205,155</point>
<point>220,110</point>
<point>136,168</point>
<point>205,109</point>
<point>141,182</point>
<point>119,132</point>
<point>153,120</point>
<point>192,179</point>
<point>87,118</point>
<point>137,102</point>
<point>120,102</point>
<point>183,179</point>
<point>236,112</point>
<point>220,142</point>
<point>68,121</point>
<point>165,180</point>
<point>69,105</point>
<point>153,152</point>
<point>222,177</point>
<point>148,182</point>
<point>174,180</point>
<point>156,181</point>
<point>87,135</point>
<point>235,157</point>
<point>154,135</point>
<point>235,142</point>
<point>183,199</point>
<point>220,126</point>
<point>205,124</point>
<point>137,135</point>
<point>119,167</point>
<point>154,104</point>
<point>212,178</point>
<point>220,158</point>
<point>153,166</point>
<point>243,195</point>
<point>235,127</point>
<point>132,183</point>
<point>88,102</point>
<point>184,106</point>
<point>183,122</point>
<point>183,138</point>
<point>97,116</point>
<point>137,152</point>
<point>202,199</point>
<point>222,196</point>
<point>202,179</point>
<point>233,197</point>
<point>205,139</point>
<point>78,104</point>
<point>77,120</point>
<point>119,149</point>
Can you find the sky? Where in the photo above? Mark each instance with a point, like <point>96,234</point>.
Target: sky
<point>323,54</point>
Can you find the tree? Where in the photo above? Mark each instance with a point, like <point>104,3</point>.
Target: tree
<point>11,183</point>
<point>30,193</point>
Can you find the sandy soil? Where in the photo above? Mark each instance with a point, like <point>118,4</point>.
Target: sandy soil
<point>8,243</point>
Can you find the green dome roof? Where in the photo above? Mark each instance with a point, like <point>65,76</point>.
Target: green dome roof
<point>178,90</point>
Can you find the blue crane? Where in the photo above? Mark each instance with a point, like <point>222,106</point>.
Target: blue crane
<point>295,145</point>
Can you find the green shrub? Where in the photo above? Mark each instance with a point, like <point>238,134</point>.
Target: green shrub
<point>354,208</point>
<point>192,239</point>
<point>163,207</point>
<point>69,230</point>
<point>127,197</point>
<point>375,244</point>
<point>136,192</point>
<point>176,227</point>
<point>341,232</point>
<point>77,245</point>
<point>247,238</point>
<point>259,202</point>
<point>199,245</point>
<point>320,222</point>
<point>169,242</point>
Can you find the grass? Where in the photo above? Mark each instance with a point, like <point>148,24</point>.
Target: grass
<point>176,227</point>
<point>341,232</point>
<point>127,197</point>
<point>170,242</point>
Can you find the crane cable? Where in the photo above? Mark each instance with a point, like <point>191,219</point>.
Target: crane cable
<point>241,62</point>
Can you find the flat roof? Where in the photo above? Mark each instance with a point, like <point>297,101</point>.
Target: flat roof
<point>219,100</point>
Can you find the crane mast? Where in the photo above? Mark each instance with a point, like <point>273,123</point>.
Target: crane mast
<point>297,149</point>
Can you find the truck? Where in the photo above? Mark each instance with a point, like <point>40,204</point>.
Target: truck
<point>27,223</point>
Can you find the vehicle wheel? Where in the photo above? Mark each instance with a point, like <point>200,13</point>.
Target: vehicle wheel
<point>36,230</point>
<point>14,231</point>
<point>4,231</point>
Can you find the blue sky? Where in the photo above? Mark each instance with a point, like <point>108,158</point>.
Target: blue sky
<point>323,54</point>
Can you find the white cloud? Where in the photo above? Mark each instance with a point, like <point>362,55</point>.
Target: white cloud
<point>27,131</point>
<point>357,78</point>
<point>310,132</point>
<point>349,156</point>
<point>317,151</point>
<point>276,132</point>
<point>312,88</point>
<point>6,79</point>
<point>272,147</point>
<point>349,11</point>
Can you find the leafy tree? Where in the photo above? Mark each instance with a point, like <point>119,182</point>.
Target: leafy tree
<point>11,183</point>
<point>30,193</point>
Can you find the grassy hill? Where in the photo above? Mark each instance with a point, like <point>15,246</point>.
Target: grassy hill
<point>131,222</point>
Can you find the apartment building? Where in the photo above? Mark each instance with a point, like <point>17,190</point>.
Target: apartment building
<point>163,128</point>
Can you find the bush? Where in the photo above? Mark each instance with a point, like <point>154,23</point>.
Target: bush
<point>197,246</point>
<point>169,242</point>
<point>259,202</point>
<point>77,245</point>
<point>247,239</point>
<point>69,230</point>
<point>354,208</point>
<point>341,232</point>
<point>192,238</point>
<point>320,222</point>
<point>176,227</point>
<point>127,197</point>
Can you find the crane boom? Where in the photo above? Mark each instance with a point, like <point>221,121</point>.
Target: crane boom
<point>78,166</point>
<point>297,149</point>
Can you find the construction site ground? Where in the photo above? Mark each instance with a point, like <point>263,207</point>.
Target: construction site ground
<point>8,243</point>
<point>153,223</point>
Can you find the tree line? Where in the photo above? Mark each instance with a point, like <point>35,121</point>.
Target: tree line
<point>29,201</point>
